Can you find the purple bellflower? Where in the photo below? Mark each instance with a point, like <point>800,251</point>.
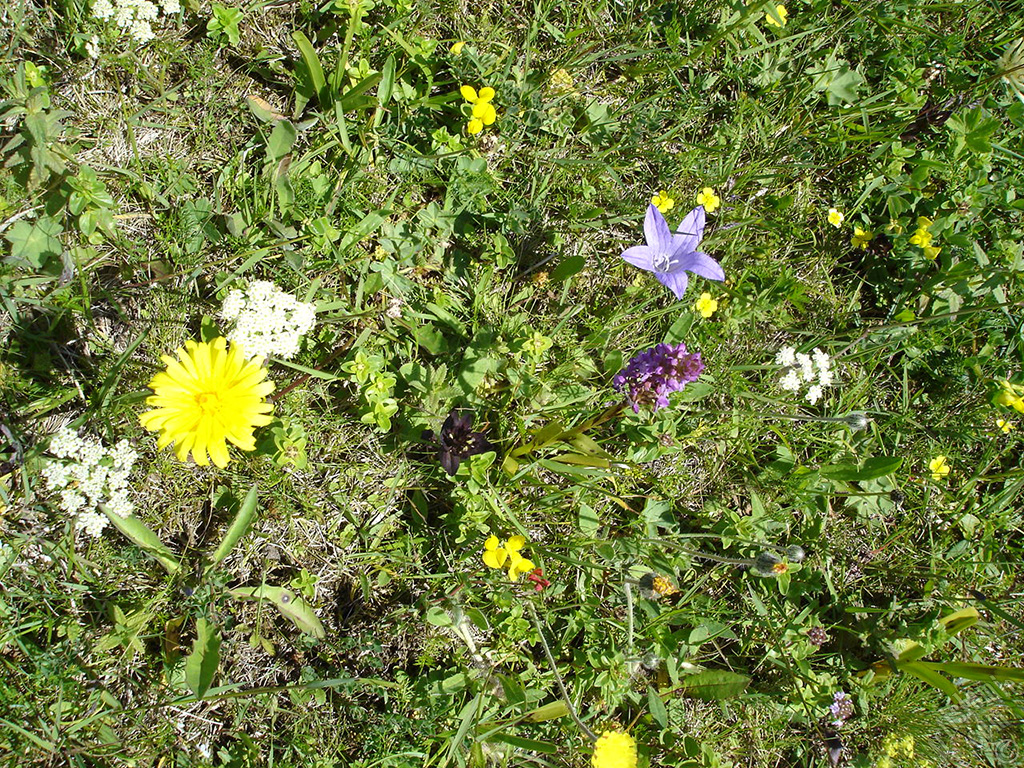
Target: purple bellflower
<point>670,256</point>
<point>652,375</point>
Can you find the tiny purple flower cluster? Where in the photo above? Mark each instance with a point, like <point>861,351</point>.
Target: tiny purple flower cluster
<point>841,708</point>
<point>655,373</point>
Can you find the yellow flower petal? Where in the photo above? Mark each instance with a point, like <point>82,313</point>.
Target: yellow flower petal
<point>474,126</point>
<point>495,558</point>
<point>486,93</point>
<point>516,543</point>
<point>468,93</point>
<point>456,49</point>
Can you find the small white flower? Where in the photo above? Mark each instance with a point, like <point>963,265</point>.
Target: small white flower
<point>103,10</point>
<point>65,444</point>
<point>814,393</point>
<point>92,523</point>
<point>146,11</point>
<point>791,381</point>
<point>821,359</point>
<point>806,366</point>
<point>824,377</point>
<point>786,356</point>
<point>142,31</point>
<point>171,7</point>
<point>56,475</point>
<point>266,320</point>
<point>125,16</point>
<point>120,505</point>
<point>92,47</point>
<point>233,305</point>
<point>71,501</point>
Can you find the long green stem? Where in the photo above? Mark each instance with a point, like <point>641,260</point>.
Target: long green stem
<point>558,678</point>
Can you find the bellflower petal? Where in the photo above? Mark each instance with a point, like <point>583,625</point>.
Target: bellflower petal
<point>690,231</point>
<point>640,256</point>
<point>703,265</point>
<point>674,281</point>
<point>659,236</point>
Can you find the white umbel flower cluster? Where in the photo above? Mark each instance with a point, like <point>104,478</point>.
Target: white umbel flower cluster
<point>90,475</point>
<point>266,320</point>
<point>134,17</point>
<point>813,371</point>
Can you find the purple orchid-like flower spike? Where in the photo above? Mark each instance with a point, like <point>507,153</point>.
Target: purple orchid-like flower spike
<point>670,256</point>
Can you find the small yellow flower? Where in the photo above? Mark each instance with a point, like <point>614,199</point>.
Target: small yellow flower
<point>836,217</point>
<point>891,745</point>
<point>614,749</point>
<point>780,9</point>
<point>922,238</point>
<point>931,252</point>
<point>484,112</point>
<point>663,202</point>
<point>456,49</point>
<point>939,468</point>
<point>708,199</point>
<point>706,305</point>
<point>561,82</point>
<point>495,556</point>
<point>907,745</point>
<point>1006,426</point>
<point>861,238</point>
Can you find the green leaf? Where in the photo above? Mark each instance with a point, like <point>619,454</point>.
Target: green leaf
<point>714,684</point>
<point>238,527</point>
<point>439,617</point>
<point>387,82</point>
<point>281,140</point>
<point>873,468</point>
<point>931,677</point>
<point>33,243</point>
<point>567,268</point>
<point>310,73</point>
<point>972,671</point>
<point>588,520</point>
<point>366,226</point>
<point>527,744</point>
<point>960,620</point>
<point>201,665</point>
<point>657,707</point>
<point>144,539</point>
<point>291,606</point>
<point>550,711</point>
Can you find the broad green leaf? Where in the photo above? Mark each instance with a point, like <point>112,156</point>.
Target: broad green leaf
<point>387,82</point>
<point>238,527</point>
<point>201,665</point>
<point>281,140</point>
<point>873,468</point>
<point>714,684</point>
<point>439,617</point>
<point>567,268</point>
<point>291,606</point>
<point>34,243</point>
<point>144,538</point>
<point>311,74</point>
<point>588,520</point>
<point>657,707</point>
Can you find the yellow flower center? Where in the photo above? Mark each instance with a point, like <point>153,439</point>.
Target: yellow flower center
<point>209,402</point>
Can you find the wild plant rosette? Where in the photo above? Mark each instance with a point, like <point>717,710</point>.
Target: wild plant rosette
<point>651,376</point>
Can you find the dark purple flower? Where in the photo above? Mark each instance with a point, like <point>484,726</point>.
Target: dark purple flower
<point>652,375</point>
<point>670,256</point>
<point>458,441</point>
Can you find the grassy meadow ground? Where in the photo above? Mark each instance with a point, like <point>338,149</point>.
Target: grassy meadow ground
<point>742,578</point>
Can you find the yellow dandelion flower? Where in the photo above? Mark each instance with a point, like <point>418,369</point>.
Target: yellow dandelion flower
<point>206,398</point>
<point>663,202</point>
<point>861,238</point>
<point>782,13</point>
<point>706,305</point>
<point>708,199</point>
<point>614,749</point>
<point>836,217</point>
<point>939,468</point>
